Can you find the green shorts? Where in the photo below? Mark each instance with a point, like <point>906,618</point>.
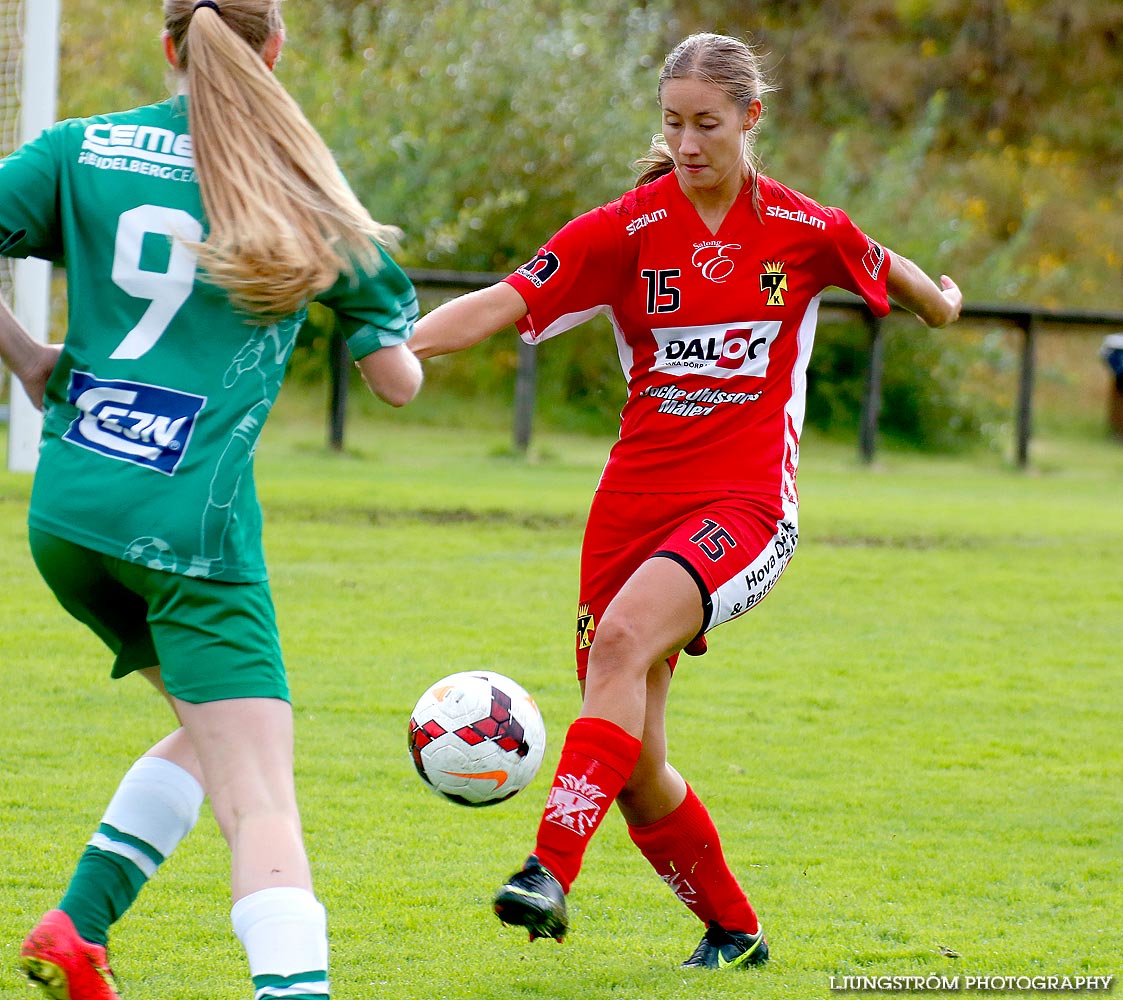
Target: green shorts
<point>211,641</point>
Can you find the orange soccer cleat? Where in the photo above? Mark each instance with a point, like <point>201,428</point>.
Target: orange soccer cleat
<point>65,965</point>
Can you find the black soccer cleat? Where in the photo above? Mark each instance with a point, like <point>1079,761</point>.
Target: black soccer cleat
<point>533,898</point>
<point>722,949</point>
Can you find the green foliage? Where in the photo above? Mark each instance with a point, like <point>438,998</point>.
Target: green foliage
<point>963,134</point>
<point>939,398</point>
<point>886,737</point>
<point>931,397</point>
<point>475,155</point>
<point>110,57</point>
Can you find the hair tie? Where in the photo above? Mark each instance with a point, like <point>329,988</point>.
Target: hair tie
<point>207,3</point>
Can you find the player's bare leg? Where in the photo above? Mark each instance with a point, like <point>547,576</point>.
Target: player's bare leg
<point>657,611</point>
<point>655,614</point>
<point>245,747</point>
<point>672,828</point>
<point>154,807</point>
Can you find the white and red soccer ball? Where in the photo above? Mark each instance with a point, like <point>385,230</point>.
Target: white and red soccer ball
<point>476,738</point>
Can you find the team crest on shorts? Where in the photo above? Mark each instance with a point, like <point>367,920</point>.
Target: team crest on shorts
<point>586,626</point>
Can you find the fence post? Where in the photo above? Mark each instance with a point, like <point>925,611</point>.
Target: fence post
<point>871,397</point>
<point>525,384</point>
<point>340,368</point>
<point>1025,386</point>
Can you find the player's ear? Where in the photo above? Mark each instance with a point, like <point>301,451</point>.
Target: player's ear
<point>752,115</point>
<point>272,51</point>
<point>169,50</point>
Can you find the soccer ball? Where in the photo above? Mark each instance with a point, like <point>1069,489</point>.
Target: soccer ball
<point>476,738</point>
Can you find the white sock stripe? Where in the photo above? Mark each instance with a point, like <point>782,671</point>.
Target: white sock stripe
<point>133,854</point>
<point>318,989</point>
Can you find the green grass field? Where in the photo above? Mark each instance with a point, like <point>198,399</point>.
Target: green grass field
<point>912,747</point>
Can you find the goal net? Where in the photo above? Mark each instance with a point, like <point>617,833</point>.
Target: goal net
<point>28,89</point>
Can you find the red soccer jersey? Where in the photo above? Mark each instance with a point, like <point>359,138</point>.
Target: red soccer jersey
<point>714,330</point>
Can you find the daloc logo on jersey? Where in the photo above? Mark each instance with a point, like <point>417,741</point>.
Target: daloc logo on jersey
<point>144,424</point>
<point>719,351</point>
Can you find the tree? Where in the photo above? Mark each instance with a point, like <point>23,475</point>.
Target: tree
<point>964,133</point>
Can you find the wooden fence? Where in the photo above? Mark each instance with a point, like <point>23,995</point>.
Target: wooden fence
<point>1029,320</point>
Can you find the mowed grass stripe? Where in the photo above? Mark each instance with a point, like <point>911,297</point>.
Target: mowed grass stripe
<point>910,747</point>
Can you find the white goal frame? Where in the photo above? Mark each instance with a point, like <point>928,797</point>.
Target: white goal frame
<point>31,278</point>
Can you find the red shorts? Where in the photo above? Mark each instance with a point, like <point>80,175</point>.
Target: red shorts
<point>734,546</point>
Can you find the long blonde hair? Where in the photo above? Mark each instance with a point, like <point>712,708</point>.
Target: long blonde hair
<point>731,65</point>
<point>283,224</point>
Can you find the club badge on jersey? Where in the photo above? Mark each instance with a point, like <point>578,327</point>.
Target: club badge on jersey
<point>146,425</point>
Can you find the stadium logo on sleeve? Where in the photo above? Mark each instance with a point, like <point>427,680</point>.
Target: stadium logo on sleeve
<point>541,269</point>
<point>794,215</point>
<point>645,220</point>
<point>873,259</point>
<point>145,425</point>
<point>773,281</point>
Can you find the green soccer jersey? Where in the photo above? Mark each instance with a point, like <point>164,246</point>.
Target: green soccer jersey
<point>154,410</point>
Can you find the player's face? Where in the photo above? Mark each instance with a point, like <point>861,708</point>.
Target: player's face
<point>705,130</point>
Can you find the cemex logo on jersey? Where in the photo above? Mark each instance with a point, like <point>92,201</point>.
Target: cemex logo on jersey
<point>146,425</point>
<point>139,149</point>
<point>160,145</point>
<point>541,269</point>
<point>719,351</point>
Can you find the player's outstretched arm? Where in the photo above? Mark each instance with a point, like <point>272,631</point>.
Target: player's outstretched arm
<point>27,359</point>
<point>465,321</point>
<point>908,286</point>
<point>393,374</point>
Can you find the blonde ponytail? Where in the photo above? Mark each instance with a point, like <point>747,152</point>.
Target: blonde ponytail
<point>656,163</point>
<point>283,224</point>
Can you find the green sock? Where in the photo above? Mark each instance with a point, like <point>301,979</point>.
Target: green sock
<point>103,887</point>
<point>153,809</point>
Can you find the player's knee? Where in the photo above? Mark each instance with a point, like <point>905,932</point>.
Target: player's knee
<point>241,815</point>
<point>638,786</point>
<point>653,790</point>
<point>619,646</point>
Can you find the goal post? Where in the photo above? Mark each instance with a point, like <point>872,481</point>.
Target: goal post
<point>29,106</point>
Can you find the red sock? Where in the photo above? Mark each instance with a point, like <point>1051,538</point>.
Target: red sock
<point>684,848</point>
<point>596,759</point>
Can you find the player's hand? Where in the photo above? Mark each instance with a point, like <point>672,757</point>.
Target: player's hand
<point>953,297</point>
<point>34,379</point>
